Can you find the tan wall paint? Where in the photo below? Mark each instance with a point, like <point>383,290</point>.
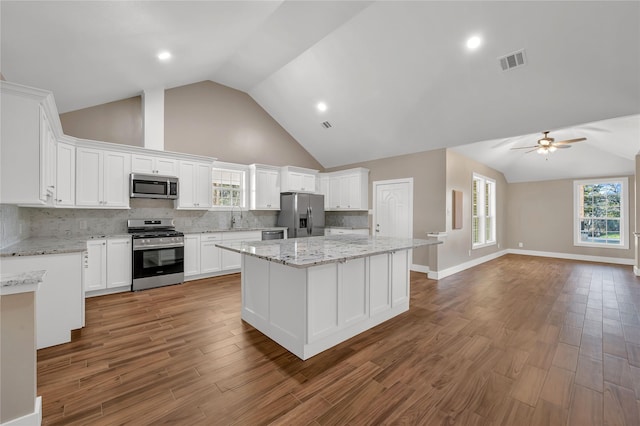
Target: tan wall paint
<point>541,217</point>
<point>204,118</point>
<point>637,201</point>
<point>17,355</point>
<point>115,122</point>
<point>428,172</point>
<point>210,119</point>
<point>457,246</point>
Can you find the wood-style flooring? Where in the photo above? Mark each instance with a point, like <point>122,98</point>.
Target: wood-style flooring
<point>515,341</point>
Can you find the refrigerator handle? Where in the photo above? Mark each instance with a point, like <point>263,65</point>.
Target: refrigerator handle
<point>310,230</point>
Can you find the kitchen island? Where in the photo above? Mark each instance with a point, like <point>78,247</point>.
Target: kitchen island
<point>309,294</point>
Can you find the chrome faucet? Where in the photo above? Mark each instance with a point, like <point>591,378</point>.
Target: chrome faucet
<point>233,218</point>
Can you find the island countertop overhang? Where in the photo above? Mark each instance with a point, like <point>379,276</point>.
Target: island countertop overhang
<point>313,251</point>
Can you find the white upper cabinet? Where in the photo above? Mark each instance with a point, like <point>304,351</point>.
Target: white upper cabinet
<point>265,187</point>
<point>346,189</point>
<point>195,186</point>
<point>28,145</point>
<point>298,179</point>
<point>65,194</point>
<point>102,178</point>
<point>41,167</point>
<point>150,164</point>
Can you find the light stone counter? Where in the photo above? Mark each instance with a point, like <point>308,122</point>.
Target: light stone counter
<point>21,282</point>
<point>207,230</point>
<point>36,246</point>
<point>312,251</point>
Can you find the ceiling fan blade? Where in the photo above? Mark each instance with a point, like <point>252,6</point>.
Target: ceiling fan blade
<point>534,149</point>
<point>562,146</point>
<point>526,147</point>
<point>569,141</point>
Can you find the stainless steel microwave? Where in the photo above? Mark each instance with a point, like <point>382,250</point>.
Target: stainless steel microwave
<point>154,186</point>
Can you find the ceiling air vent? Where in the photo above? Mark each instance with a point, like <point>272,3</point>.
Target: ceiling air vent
<point>512,60</point>
<point>326,124</point>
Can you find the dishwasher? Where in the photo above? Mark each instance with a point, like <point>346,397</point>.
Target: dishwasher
<point>273,235</point>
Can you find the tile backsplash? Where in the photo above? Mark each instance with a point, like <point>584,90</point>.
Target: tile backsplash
<point>14,224</point>
<point>79,222</point>
<point>347,219</point>
<point>19,223</point>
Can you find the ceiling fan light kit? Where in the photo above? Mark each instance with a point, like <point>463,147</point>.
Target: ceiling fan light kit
<point>546,144</point>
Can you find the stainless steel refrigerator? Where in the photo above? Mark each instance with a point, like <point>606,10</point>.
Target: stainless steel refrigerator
<point>302,213</point>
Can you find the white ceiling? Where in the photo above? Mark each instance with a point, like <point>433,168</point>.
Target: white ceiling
<point>396,75</point>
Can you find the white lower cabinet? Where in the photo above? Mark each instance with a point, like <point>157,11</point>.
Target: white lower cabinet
<point>203,259</point>
<point>60,297</point>
<point>310,310</point>
<point>345,231</point>
<point>95,265</point>
<point>210,254</point>
<point>107,264</point>
<point>230,259</point>
<point>191,255</point>
<point>119,256</point>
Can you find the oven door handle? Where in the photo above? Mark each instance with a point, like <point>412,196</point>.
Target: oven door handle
<point>158,246</point>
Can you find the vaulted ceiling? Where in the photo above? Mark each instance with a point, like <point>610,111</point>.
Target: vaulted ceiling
<point>396,76</point>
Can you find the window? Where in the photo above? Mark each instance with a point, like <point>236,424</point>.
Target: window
<point>229,186</point>
<point>483,211</point>
<point>600,218</point>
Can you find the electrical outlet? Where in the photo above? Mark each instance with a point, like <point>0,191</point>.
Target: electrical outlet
<point>83,224</point>
<point>20,229</point>
<point>469,253</point>
<point>520,245</point>
<point>498,245</point>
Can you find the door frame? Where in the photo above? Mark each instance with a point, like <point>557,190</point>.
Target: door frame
<point>409,182</point>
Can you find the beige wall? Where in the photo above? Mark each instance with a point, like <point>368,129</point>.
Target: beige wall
<point>115,122</point>
<point>210,119</point>
<point>541,217</point>
<point>204,118</point>
<point>17,355</point>
<point>637,200</point>
<point>457,246</point>
<point>428,172</point>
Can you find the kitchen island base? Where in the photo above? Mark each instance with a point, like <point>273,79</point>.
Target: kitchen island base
<point>309,310</point>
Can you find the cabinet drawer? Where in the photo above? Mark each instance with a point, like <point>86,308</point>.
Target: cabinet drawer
<point>211,237</point>
<point>242,236</point>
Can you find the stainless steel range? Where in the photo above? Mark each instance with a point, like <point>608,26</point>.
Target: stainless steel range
<point>158,253</point>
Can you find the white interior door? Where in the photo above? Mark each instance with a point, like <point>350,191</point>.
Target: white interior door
<point>393,208</point>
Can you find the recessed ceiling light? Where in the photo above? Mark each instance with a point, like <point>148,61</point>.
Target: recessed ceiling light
<point>322,107</point>
<point>164,55</point>
<point>474,42</point>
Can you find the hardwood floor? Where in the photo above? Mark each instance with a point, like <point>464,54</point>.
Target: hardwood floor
<point>515,341</point>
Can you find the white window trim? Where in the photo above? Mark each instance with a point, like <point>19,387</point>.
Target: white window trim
<point>624,213</point>
<point>494,241</point>
<point>245,193</point>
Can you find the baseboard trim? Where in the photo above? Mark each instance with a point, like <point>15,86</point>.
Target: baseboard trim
<point>571,256</point>
<point>438,275</point>
<point>420,268</point>
<point>34,418</point>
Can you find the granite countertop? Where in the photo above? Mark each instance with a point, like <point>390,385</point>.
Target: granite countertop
<point>201,230</point>
<point>312,251</point>
<point>36,246</point>
<point>21,282</point>
<point>347,227</point>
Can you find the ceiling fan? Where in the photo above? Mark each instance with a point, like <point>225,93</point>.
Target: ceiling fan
<point>546,144</point>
